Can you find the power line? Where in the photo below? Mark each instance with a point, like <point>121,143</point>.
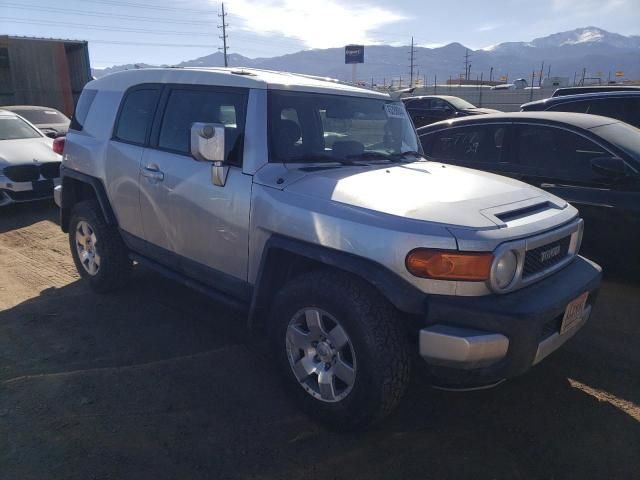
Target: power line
<point>147,6</point>
<point>224,35</point>
<point>105,28</point>
<point>107,15</point>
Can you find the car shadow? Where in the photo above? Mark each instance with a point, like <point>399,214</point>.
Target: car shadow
<point>20,215</point>
<point>156,381</point>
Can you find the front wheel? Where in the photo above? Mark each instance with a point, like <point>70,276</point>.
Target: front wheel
<point>98,251</point>
<point>341,348</point>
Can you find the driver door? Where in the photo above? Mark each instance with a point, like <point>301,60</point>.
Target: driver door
<point>190,224</point>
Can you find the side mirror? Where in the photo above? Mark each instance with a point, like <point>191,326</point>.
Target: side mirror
<point>207,145</point>
<point>611,167</point>
<point>51,133</point>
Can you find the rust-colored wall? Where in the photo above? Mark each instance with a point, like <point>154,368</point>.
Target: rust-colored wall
<point>42,72</point>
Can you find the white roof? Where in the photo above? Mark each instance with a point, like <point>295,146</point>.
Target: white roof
<point>231,77</point>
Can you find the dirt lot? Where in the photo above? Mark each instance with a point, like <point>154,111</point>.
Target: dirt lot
<point>158,382</point>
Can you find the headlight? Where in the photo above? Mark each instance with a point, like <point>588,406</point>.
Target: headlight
<point>504,269</point>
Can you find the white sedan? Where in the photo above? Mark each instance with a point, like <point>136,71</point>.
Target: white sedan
<point>29,168</point>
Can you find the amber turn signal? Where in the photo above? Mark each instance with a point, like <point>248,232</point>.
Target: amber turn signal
<point>449,265</point>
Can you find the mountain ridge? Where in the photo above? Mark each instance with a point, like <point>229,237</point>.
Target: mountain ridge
<point>568,52</point>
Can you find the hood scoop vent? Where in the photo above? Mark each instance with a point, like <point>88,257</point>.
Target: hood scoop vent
<point>525,211</point>
<point>519,213</point>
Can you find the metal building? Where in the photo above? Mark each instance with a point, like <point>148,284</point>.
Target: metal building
<point>43,71</point>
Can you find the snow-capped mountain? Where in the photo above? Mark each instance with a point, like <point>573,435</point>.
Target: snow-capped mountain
<point>590,48</point>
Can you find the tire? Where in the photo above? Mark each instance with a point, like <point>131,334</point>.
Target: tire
<point>105,262</point>
<point>376,349</point>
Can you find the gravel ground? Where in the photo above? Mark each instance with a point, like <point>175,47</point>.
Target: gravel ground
<point>159,382</point>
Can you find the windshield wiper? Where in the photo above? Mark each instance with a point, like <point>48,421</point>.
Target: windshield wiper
<point>371,156</point>
<point>407,154</point>
<point>321,157</point>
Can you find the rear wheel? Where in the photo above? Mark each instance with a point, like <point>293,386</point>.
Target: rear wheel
<point>98,251</point>
<point>341,348</point>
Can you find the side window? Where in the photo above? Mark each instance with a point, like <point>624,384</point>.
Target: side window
<point>625,109</point>
<point>136,115</point>
<point>439,104</point>
<point>82,109</point>
<point>422,104</point>
<point>473,144</point>
<point>557,153</point>
<point>186,107</point>
<point>575,107</point>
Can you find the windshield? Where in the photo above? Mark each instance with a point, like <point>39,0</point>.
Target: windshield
<point>459,103</point>
<point>14,128</point>
<point>42,117</point>
<point>313,127</point>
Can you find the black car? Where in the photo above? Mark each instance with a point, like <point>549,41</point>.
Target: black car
<point>433,108</point>
<point>623,106</point>
<point>561,92</point>
<point>591,161</point>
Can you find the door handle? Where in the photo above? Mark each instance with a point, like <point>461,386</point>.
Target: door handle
<point>547,185</point>
<point>152,173</point>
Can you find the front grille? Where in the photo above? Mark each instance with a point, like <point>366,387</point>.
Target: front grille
<point>31,172</point>
<point>539,259</point>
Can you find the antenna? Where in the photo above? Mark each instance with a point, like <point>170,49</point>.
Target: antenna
<point>224,36</point>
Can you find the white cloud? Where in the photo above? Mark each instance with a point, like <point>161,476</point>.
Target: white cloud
<point>486,28</point>
<point>316,23</point>
<point>588,7</point>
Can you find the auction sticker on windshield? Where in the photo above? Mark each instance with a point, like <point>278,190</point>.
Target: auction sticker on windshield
<point>393,110</point>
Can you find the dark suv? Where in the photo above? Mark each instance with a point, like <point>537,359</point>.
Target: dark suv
<point>591,161</point>
<point>433,108</point>
<point>623,106</point>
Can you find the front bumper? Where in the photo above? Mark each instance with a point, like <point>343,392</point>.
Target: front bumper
<point>476,341</point>
<point>18,192</point>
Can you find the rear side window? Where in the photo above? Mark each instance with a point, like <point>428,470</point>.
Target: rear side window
<point>82,109</point>
<point>473,144</point>
<point>186,107</point>
<point>136,115</point>
<point>625,109</point>
<point>557,153</point>
<point>575,107</point>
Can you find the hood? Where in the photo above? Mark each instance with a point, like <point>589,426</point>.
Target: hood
<point>427,191</point>
<point>27,150</point>
<point>481,111</point>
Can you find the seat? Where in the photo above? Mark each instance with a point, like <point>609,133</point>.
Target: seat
<point>287,133</point>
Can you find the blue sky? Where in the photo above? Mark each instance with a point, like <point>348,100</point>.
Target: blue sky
<point>127,31</point>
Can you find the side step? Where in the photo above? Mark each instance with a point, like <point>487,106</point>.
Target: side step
<point>210,292</point>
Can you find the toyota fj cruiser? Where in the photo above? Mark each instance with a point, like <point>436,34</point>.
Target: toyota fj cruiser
<point>309,203</point>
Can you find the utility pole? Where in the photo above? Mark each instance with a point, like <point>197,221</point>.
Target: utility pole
<point>224,36</point>
<point>584,73</point>
<point>467,67</point>
<point>491,74</point>
<point>541,74</point>
<point>533,77</point>
<point>549,71</point>
<point>411,59</point>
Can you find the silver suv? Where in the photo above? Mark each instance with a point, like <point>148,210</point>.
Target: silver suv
<point>309,204</point>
